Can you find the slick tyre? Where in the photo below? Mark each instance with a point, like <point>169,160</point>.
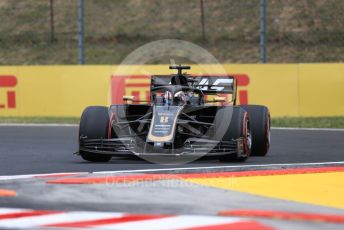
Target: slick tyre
<point>239,128</point>
<point>260,127</point>
<point>94,124</point>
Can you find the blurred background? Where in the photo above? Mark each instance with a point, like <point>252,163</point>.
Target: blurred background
<point>34,32</point>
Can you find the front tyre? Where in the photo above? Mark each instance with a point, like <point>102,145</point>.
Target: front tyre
<point>260,127</point>
<point>239,128</point>
<point>94,124</point>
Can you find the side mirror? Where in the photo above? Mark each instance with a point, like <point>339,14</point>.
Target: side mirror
<point>219,99</point>
<point>128,98</point>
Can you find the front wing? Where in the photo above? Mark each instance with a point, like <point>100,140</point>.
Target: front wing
<point>133,146</point>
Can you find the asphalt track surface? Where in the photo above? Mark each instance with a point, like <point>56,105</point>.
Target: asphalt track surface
<point>49,149</point>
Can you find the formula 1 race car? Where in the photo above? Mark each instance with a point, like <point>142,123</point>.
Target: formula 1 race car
<point>186,116</point>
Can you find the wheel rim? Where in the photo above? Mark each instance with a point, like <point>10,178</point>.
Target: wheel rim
<point>248,136</point>
<point>268,133</point>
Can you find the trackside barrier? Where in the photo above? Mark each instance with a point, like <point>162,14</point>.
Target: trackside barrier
<point>56,91</point>
<point>61,91</point>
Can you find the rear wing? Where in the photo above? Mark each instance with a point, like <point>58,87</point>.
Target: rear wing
<point>207,84</point>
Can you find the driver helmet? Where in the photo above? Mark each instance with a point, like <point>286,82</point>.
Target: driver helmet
<point>180,98</point>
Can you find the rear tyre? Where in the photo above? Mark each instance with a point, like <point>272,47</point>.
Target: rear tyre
<point>94,124</point>
<point>239,128</point>
<point>260,127</point>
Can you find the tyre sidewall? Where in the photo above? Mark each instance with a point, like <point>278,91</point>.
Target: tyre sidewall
<point>260,128</point>
<point>237,129</point>
<point>94,124</point>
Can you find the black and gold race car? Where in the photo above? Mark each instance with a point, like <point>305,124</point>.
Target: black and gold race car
<point>187,116</point>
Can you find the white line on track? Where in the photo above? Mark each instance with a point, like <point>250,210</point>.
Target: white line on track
<point>15,177</point>
<point>76,125</point>
<point>223,167</point>
<point>27,176</point>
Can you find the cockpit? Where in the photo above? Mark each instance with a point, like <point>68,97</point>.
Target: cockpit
<point>176,95</point>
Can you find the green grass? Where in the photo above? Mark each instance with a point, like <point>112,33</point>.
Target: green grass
<point>309,122</point>
<point>298,122</point>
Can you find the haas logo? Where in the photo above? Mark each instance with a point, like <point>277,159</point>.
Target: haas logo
<point>7,83</point>
<point>220,81</point>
